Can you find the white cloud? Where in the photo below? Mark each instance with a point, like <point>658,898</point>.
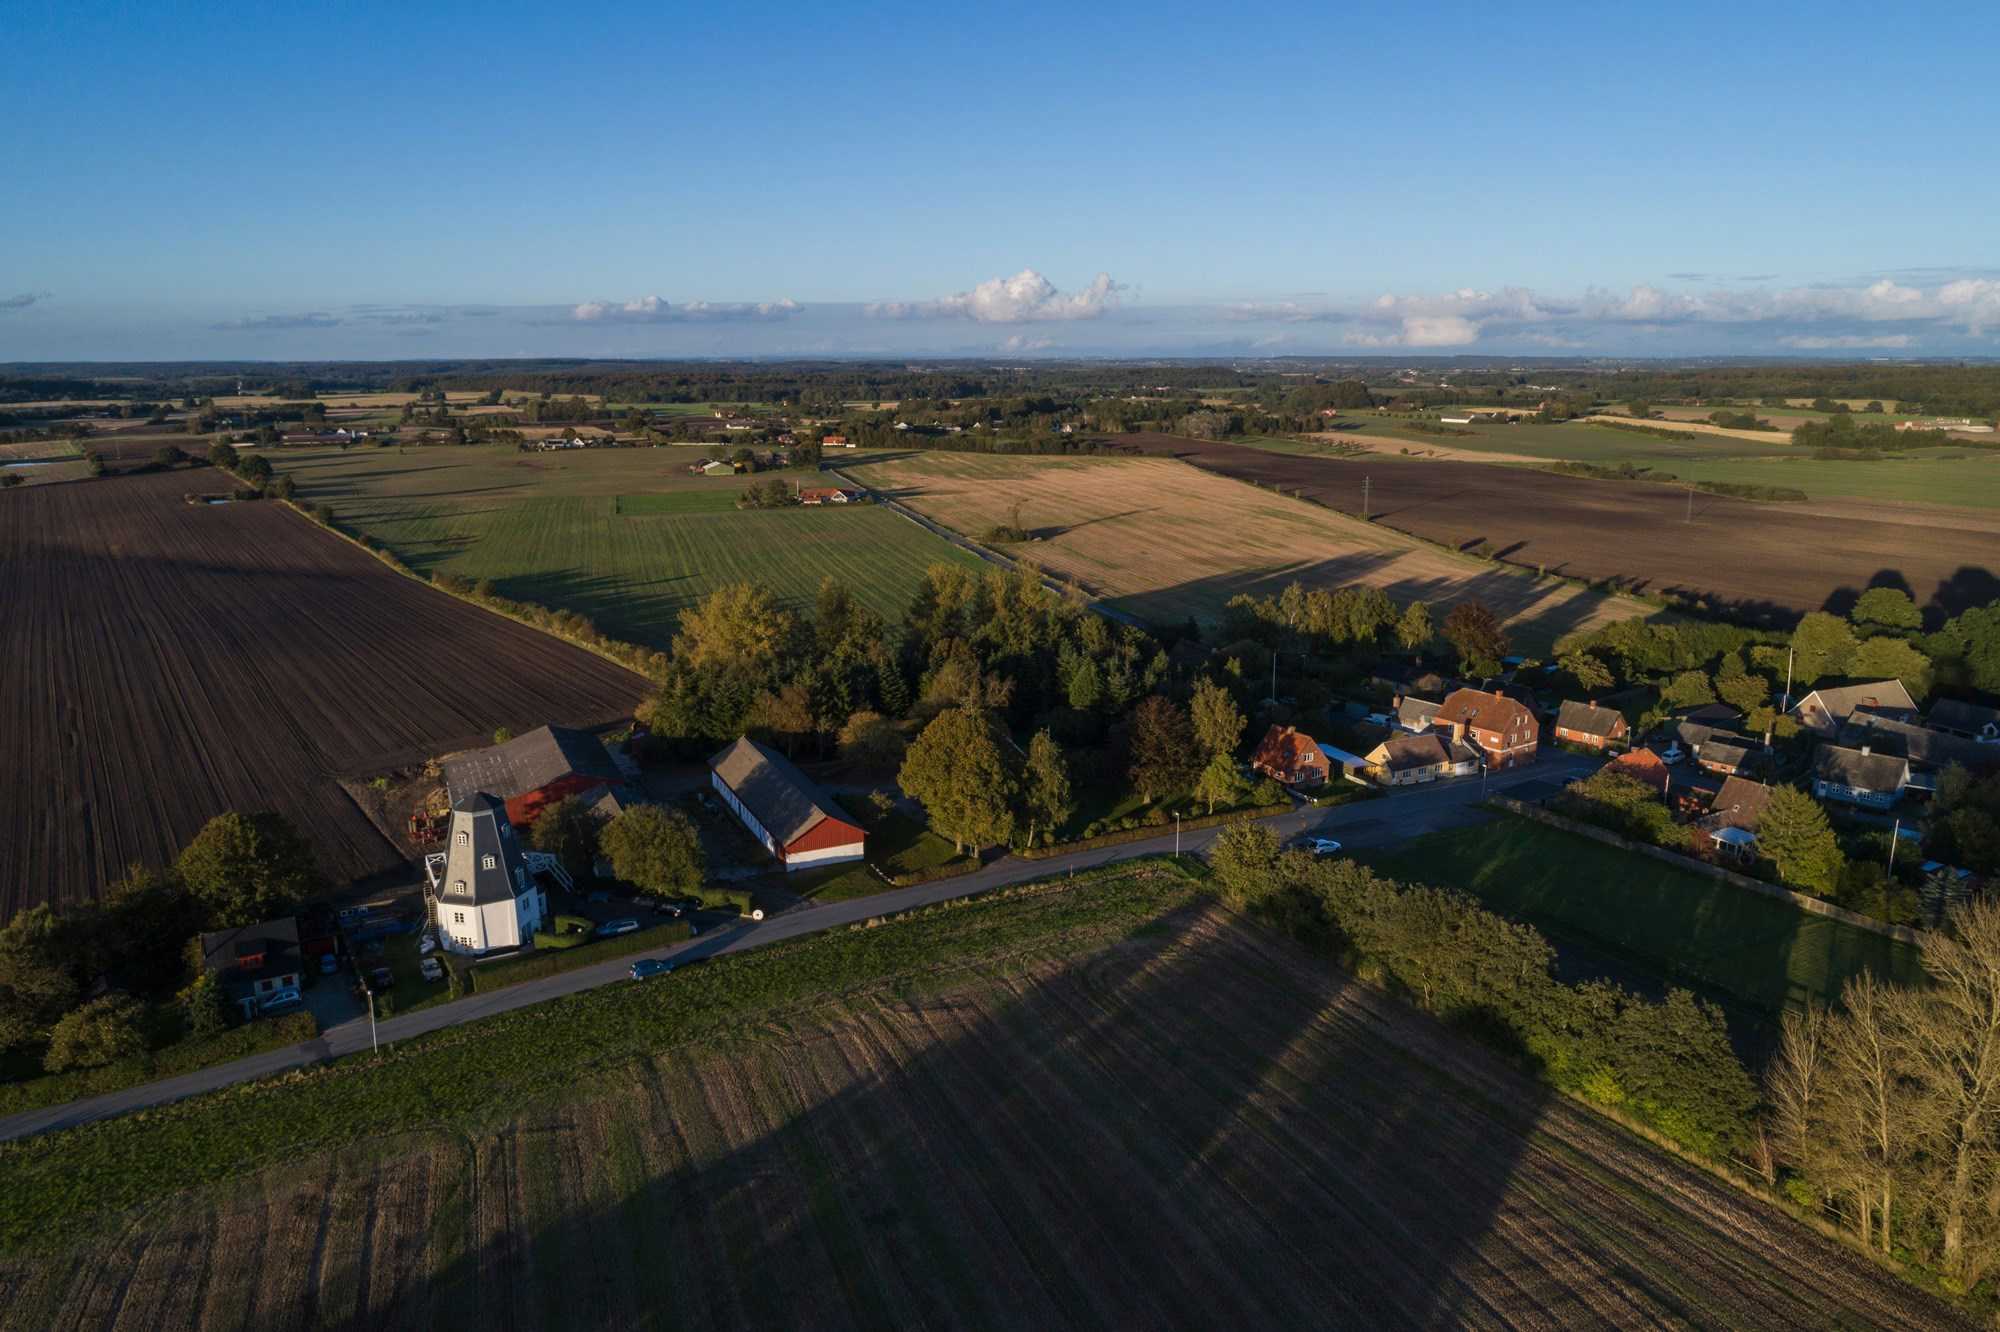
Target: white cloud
<point>1423,331</point>
<point>1022,298</point>
<point>1805,342</point>
<point>656,310</point>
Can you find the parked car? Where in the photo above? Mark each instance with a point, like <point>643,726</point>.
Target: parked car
<point>671,909</point>
<point>615,927</point>
<point>432,969</point>
<point>328,964</point>
<point>281,1001</point>
<point>650,966</point>
<point>1672,753</point>
<point>1317,846</point>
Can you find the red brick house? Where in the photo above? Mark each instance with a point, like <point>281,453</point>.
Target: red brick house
<point>1592,727</point>
<point>1504,732</point>
<point>1286,755</point>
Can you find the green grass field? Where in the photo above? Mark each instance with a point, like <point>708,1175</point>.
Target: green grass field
<point>1678,925</point>
<point>1967,478</point>
<point>624,536</point>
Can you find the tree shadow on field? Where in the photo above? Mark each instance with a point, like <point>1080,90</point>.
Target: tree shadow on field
<point>1194,1128</point>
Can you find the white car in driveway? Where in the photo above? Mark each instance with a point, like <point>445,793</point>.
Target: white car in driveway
<point>1317,846</point>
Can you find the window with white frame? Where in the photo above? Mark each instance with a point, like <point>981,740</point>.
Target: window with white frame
<point>487,862</point>
<point>463,837</point>
<point>458,918</point>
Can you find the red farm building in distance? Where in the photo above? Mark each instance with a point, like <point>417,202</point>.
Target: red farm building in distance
<point>786,810</point>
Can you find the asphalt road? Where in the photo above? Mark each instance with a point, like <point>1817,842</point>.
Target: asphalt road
<point>1403,814</point>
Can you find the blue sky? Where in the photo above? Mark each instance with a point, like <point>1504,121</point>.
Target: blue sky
<point>417,180</point>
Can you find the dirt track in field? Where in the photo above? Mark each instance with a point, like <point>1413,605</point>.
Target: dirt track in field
<point>162,662</point>
<point>1770,561</point>
<point>1198,1127</point>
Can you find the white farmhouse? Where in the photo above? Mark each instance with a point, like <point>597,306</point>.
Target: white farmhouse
<point>484,899</point>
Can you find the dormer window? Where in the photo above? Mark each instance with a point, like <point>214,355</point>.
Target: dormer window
<point>487,862</point>
<point>458,886</point>
<point>464,837</point>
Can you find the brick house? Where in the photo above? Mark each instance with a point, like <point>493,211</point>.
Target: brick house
<point>1287,755</point>
<point>1592,727</point>
<point>1504,732</point>
<point>1824,711</point>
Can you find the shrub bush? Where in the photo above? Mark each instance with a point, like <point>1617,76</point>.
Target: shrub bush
<point>549,962</point>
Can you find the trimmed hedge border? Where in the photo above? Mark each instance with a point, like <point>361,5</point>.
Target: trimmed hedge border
<point>952,871</point>
<point>551,962</point>
<point>1152,830</point>
<point>171,1061</point>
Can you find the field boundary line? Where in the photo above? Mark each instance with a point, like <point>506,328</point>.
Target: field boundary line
<point>1814,905</point>
<point>971,547</point>
<point>394,561</point>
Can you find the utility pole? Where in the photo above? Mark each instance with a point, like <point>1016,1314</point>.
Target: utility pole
<point>1788,679</point>
<point>1177,835</point>
<point>1366,483</point>
<point>372,1039</point>
<point>1895,836</point>
<point>1690,513</point>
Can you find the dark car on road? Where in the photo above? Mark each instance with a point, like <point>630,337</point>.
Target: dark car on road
<point>614,927</point>
<point>647,967</point>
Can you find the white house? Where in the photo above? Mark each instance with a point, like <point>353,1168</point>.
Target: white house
<point>483,899</point>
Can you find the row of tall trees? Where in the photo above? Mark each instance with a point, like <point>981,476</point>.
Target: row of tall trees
<point>1885,1112</point>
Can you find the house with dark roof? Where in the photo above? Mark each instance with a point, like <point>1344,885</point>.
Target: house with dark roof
<point>787,811</point>
<point>1728,755</point>
<point>1711,714</point>
<point>1864,776</point>
<point>1928,751</point>
<point>482,897</point>
<point>1592,727</point>
<point>1415,715</point>
<point>253,962</point>
<point>532,771</point>
<point>1824,710</point>
<point>1739,803</point>
<point>1286,754</point>
<point>1409,760</point>
<point>1956,717</point>
<point>1504,732</point>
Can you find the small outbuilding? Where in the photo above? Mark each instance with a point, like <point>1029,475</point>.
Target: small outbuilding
<point>253,962</point>
<point>532,771</point>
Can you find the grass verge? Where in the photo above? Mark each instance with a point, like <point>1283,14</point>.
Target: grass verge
<point>169,1062</point>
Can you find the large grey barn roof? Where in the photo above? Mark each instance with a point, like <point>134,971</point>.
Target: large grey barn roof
<point>528,763</point>
<point>783,799</point>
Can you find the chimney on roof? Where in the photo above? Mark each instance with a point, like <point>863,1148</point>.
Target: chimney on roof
<point>1864,749</point>
<point>1458,732</point>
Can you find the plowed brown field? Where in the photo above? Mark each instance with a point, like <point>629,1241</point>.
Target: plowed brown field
<point>162,662</point>
<point>1770,561</point>
<point>1196,1127</point>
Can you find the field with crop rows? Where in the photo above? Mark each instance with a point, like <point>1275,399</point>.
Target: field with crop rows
<point>1187,1124</point>
<point>1675,924</point>
<point>1763,561</point>
<point>624,536</point>
<point>162,662</point>
<point>1165,541</point>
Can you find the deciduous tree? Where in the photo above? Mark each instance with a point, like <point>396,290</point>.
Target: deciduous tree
<point>1164,755</point>
<point>102,1031</point>
<point>246,868</point>
<point>1218,722</point>
<point>1045,786</point>
<point>1474,632</point>
<point>568,831</point>
<point>957,772</point>
<point>656,849</point>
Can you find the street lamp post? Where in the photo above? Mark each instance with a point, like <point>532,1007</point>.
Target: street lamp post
<point>372,1040</point>
<point>1177,834</point>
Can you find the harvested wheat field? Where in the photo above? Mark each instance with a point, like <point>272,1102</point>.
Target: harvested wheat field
<point>1165,541</point>
<point>1189,1124</point>
<point>1762,562</point>
<point>162,662</point>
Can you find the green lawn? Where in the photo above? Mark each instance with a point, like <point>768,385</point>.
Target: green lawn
<point>897,843</point>
<point>624,536</point>
<point>1964,477</point>
<point>1679,925</point>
